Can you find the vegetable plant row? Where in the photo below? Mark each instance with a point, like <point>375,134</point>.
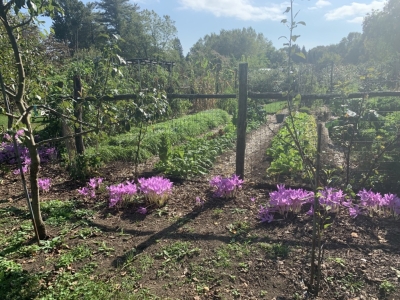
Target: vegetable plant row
<point>198,155</point>
<point>286,158</point>
<point>123,147</point>
<point>274,107</point>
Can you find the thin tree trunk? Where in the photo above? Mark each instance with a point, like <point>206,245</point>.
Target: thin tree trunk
<point>30,142</point>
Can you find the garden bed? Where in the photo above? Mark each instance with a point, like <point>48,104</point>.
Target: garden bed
<point>218,250</point>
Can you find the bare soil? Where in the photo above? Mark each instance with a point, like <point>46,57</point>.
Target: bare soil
<point>234,255</point>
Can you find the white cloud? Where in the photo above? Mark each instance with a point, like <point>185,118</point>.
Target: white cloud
<point>354,11</point>
<point>239,9</point>
<point>357,20</point>
<point>320,4</point>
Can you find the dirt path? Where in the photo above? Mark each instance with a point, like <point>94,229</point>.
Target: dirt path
<point>257,143</point>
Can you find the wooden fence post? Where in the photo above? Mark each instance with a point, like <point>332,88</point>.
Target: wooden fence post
<point>242,120</point>
<point>80,146</point>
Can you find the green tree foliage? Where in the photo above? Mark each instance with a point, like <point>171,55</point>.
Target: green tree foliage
<point>381,30</point>
<point>351,48</point>
<point>77,25</point>
<point>238,44</point>
<point>115,14</point>
<point>160,32</point>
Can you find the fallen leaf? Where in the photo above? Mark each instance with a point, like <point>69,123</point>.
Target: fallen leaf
<point>354,234</point>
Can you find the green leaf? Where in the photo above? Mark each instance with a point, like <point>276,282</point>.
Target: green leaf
<point>302,23</point>
<point>301,54</point>
<point>19,3</point>
<point>295,37</point>
<point>287,10</point>
<point>284,21</point>
<point>32,6</point>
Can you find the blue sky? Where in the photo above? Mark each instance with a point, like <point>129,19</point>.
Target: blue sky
<point>327,22</point>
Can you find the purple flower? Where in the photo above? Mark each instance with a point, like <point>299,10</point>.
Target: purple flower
<point>331,199</point>
<point>311,211</point>
<point>20,133</point>
<point>285,200</point>
<point>266,214</point>
<point>252,199</point>
<point>142,210</point>
<point>354,211</point>
<point>92,185</point>
<point>83,191</point>
<point>156,189</point>
<point>226,187</point>
<point>44,184</point>
<point>7,137</point>
<point>7,153</point>
<point>199,202</point>
<point>121,192</point>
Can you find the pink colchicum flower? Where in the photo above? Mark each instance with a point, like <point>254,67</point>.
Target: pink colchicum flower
<point>226,187</point>
<point>7,152</point>
<point>354,211</point>
<point>388,204</point>
<point>44,184</point>
<point>121,192</point>
<point>199,202</point>
<point>156,189</point>
<point>266,214</point>
<point>90,189</point>
<point>83,191</point>
<point>284,200</point>
<point>142,210</point>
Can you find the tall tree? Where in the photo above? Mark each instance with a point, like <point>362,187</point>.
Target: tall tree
<point>237,44</point>
<point>115,14</point>
<point>161,32</point>
<point>76,25</point>
<point>146,34</point>
<point>381,31</point>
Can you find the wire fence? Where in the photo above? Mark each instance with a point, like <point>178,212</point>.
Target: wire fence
<point>360,136</point>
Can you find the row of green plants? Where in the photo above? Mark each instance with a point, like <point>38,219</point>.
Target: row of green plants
<point>274,107</point>
<point>140,144</point>
<point>196,156</point>
<point>286,158</point>
<point>367,131</point>
<point>178,130</point>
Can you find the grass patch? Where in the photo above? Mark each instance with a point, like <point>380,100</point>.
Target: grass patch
<point>177,251</point>
<point>3,121</point>
<point>15,283</point>
<point>273,108</point>
<point>78,253</point>
<point>276,250</point>
<point>59,212</point>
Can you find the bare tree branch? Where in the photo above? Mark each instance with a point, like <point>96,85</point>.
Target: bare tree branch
<point>65,137</point>
<point>54,112</point>
<point>10,115</point>
<point>23,23</point>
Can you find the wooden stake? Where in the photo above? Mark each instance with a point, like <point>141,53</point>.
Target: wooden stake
<point>241,122</point>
